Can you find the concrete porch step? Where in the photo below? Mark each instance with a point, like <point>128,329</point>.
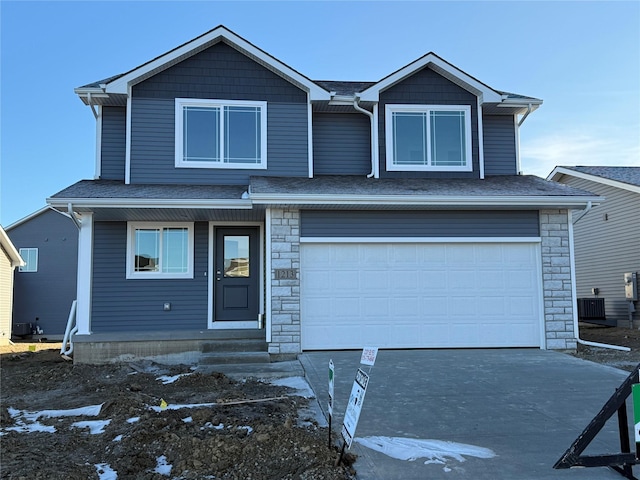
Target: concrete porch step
<point>234,345</point>
<point>234,358</point>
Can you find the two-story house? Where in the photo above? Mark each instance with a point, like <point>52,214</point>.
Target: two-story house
<point>235,195</point>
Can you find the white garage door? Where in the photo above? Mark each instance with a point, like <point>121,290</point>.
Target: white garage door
<point>417,295</point>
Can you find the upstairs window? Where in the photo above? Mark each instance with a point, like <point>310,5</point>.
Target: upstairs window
<point>30,256</point>
<point>428,137</point>
<point>160,251</point>
<point>221,134</point>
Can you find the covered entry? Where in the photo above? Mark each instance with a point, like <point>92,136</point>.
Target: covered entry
<point>420,295</point>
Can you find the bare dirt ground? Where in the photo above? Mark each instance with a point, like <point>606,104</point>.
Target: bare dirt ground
<point>254,431</point>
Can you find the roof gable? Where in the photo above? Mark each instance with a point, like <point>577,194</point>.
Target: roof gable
<point>10,249</point>
<point>119,84</point>
<point>626,178</point>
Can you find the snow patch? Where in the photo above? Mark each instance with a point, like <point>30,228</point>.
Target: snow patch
<point>435,451</point>
<point>180,406</point>
<point>117,439</point>
<point>299,384</point>
<point>88,411</point>
<point>167,379</point>
<point>187,419</point>
<point>105,472</point>
<point>133,419</point>
<point>95,426</point>
<point>246,427</point>
<point>162,467</point>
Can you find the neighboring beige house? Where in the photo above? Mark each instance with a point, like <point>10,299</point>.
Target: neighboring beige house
<point>9,260</point>
<point>607,237</point>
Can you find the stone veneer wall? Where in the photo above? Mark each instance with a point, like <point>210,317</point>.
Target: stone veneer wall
<point>285,294</point>
<point>556,280</point>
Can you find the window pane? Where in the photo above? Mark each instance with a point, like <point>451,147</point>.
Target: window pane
<point>30,256</point>
<point>201,130</point>
<point>447,139</point>
<point>175,250</point>
<point>147,250</point>
<point>409,131</point>
<point>236,256</point>
<point>242,135</point>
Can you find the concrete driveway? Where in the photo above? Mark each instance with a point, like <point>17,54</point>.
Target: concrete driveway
<point>526,406</point>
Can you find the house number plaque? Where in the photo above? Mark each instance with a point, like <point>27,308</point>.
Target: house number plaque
<point>286,273</point>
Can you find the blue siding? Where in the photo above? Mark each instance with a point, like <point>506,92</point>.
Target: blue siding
<point>366,223</point>
<point>499,145</point>
<point>341,144</point>
<point>48,293</point>
<point>153,146</point>
<point>220,71</point>
<point>113,143</point>
<point>427,87</point>
<point>121,305</point>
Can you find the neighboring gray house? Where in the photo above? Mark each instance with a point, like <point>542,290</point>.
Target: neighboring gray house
<point>607,238</point>
<point>46,286</point>
<point>235,197</point>
<point>9,260</point>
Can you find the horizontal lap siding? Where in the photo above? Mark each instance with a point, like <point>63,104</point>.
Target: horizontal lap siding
<point>153,146</point>
<point>219,72</point>
<point>427,87</point>
<point>419,224</point>
<point>113,143</point>
<point>48,293</point>
<point>499,145</point>
<point>121,305</point>
<point>341,144</point>
<point>606,249</point>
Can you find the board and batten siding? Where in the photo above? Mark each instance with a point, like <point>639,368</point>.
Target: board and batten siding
<point>607,244</point>
<point>113,143</point>
<point>364,223</point>
<point>134,305</point>
<point>499,138</point>
<point>427,87</point>
<point>341,144</point>
<point>47,294</point>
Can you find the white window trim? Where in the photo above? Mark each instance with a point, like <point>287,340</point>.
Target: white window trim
<point>393,108</point>
<point>131,228</point>
<point>180,103</point>
<point>24,268</point>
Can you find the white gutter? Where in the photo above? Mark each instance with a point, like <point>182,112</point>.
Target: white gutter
<point>443,200</point>
<point>373,136</point>
<point>574,294</point>
<point>525,115</point>
<point>146,203</point>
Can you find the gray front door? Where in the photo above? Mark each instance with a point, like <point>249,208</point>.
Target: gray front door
<point>236,290</point>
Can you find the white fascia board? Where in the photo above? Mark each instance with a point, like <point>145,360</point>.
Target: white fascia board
<point>120,85</point>
<point>12,251</point>
<point>559,171</point>
<point>487,94</point>
<point>148,203</point>
<point>418,200</point>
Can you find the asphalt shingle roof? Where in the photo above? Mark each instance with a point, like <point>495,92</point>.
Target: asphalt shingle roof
<point>630,175</point>
<point>517,185</point>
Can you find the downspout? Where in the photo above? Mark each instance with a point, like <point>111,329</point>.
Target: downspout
<point>573,289</point>
<point>583,212</point>
<point>373,140</point>
<point>525,115</point>
<point>95,114</point>
<point>71,215</point>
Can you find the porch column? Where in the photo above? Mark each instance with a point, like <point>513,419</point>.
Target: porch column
<point>85,268</point>
<point>557,276</point>
<point>284,278</point>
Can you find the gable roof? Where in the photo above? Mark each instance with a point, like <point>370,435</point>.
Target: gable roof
<point>626,178</point>
<point>119,84</point>
<point>10,249</point>
<point>114,90</point>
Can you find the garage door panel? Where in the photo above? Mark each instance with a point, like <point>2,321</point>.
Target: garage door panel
<point>420,295</point>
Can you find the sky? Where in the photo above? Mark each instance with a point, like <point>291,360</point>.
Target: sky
<point>581,58</point>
